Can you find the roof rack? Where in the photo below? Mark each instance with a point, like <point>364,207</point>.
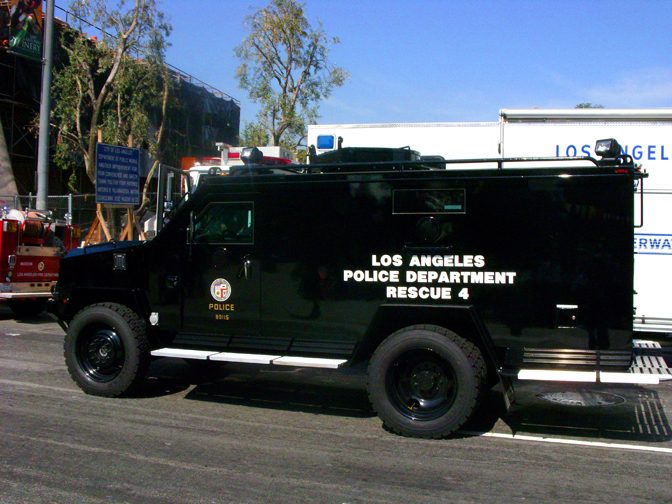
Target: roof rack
<point>374,159</point>
<point>296,169</point>
<point>624,161</point>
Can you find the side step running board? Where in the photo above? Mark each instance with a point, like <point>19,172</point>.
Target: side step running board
<point>276,360</point>
<point>591,376</point>
<point>644,370</point>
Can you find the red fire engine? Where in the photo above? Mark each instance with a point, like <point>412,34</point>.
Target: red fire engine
<point>31,245</point>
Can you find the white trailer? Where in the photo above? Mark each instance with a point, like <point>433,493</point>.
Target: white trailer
<point>645,134</point>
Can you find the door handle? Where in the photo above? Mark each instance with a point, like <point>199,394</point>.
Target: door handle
<point>245,269</point>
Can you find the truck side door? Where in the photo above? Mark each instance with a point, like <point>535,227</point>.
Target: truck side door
<point>221,278</point>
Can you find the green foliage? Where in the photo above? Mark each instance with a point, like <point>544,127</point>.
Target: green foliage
<point>589,105</point>
<point>254,135</point>
<point>301,156</point>
<point>285,67</point>
<point>113,84</point>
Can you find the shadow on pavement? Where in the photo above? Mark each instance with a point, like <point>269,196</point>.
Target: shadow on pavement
<point>595,411</point>
<point>7,314</point>
<point>330,392</point>
<point>592,411</point>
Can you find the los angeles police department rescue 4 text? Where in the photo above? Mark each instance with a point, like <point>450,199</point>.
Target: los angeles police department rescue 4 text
<point>431,276</point>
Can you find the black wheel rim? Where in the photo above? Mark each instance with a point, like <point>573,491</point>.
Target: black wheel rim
<point>100,354</point>
<point>421,385</point>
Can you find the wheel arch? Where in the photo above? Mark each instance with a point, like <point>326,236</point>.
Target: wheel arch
<point>83,297</point>
<point>460,319</point>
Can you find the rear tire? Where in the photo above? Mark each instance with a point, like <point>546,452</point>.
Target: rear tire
<point>27,308</point>
<point>106,350</point>
<point>426,381</point>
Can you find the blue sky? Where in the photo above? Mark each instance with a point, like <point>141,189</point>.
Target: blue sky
<point>454,60</point>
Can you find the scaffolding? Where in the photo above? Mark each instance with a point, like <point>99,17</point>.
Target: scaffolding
<point>19,104</point>
<point>204,115</point>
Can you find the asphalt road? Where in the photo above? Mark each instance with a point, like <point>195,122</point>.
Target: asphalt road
<point>255,435</point>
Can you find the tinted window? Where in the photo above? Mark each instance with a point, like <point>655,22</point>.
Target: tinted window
<point>429,201</point>
<point>225,223</point>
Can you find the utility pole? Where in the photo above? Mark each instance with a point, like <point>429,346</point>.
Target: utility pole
<point>45,107</point>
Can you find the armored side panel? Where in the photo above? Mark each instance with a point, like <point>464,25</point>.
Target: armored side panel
<point>543,257</point>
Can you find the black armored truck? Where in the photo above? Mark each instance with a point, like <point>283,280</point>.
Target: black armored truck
<point>447,277</point>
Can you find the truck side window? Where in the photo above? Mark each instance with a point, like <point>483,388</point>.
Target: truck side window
<point>434,201</point>
<point>225,223</point>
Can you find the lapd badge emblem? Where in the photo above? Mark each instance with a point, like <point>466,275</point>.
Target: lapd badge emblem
<point>40,266</point>
<point>220,290</point>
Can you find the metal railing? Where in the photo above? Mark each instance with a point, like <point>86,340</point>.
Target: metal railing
<point>77,209</point>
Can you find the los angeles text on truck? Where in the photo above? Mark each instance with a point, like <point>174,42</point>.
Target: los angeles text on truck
<point>445,280</point>
<point>644,134</point>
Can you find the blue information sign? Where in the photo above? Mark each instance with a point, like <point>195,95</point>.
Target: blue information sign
<point>117,175</point>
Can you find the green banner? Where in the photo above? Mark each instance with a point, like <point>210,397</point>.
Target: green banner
<point>25,28</point>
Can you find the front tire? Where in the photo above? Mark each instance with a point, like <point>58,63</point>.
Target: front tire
<point>106,350</point>
<point>425,381</point>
